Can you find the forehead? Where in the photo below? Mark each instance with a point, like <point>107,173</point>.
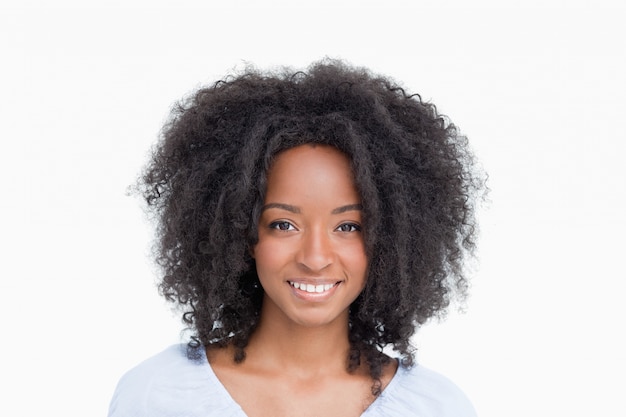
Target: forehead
<point>317,169</point>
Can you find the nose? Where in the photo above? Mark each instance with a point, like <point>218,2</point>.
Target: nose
<point>315,252</point>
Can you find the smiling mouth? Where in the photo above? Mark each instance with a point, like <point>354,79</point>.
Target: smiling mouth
<point>310,288</point>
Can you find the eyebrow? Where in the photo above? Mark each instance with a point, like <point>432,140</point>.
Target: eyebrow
<point>287,207</point>
<point>349,207</point>
<point>296,210</point>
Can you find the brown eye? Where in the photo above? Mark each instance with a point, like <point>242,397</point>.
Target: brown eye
<point>282,225</point>
<point>349,227</point>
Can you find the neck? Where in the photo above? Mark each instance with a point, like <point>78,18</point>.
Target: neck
<point>281,344</point>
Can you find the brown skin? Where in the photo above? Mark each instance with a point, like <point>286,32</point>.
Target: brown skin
<point>310,233</point>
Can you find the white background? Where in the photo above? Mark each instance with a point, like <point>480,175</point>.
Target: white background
<point>538,88</point>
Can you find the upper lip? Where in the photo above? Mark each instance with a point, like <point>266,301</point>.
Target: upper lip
<point>314,281</point>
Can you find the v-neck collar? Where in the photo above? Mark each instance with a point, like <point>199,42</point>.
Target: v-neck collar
<point>383,397</point>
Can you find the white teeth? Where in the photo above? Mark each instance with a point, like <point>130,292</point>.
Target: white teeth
<point>312,288</point>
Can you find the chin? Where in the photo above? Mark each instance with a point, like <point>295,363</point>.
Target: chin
<point>320,319</point>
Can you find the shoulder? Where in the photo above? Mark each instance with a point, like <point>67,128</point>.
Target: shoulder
<point>174,382</point>
<point>419,391</point>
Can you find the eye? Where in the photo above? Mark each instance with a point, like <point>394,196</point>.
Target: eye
<point>349,227</point>
<point>282,226</point>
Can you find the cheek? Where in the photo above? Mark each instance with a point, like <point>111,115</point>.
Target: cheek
<point>356,261</point>
<point>268,256</point>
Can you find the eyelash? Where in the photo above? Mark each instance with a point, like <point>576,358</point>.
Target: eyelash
<point>277,225</point>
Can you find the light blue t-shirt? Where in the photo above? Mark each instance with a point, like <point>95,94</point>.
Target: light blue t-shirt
<point>172,385</point>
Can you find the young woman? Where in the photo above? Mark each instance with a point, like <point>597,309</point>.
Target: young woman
<point>307,220</point>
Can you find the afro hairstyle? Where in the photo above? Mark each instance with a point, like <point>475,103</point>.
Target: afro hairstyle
<point>417,178</point>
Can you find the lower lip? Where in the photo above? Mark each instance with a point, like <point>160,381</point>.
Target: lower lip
<point>315,297</point>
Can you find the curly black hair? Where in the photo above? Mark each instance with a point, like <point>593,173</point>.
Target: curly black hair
<point>416,176</point>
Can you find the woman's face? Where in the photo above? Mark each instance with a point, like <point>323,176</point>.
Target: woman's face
<point>310,255</point>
